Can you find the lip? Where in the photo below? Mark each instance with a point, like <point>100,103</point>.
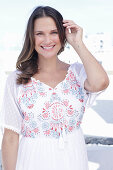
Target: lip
<point>48,47</point>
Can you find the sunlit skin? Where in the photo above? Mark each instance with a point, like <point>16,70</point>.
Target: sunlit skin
<point>47,42</point>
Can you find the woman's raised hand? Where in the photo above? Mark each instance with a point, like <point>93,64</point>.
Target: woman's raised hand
<point>74,32</point>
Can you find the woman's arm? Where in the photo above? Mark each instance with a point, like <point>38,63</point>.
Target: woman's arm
<point>97,78</point>
<point>10,144</point>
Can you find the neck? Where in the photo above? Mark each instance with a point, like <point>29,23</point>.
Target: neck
<point>48,65</point>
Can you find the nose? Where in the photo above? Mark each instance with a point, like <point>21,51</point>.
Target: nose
<point>47,39</point>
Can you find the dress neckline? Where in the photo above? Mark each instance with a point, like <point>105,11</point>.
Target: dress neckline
<point>53,88</point>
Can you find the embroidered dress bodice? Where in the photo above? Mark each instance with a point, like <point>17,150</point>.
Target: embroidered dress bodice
<point>48,111</point>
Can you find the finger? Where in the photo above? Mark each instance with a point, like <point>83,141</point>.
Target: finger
<point>67,31</point>
<point>67,21</point>
<point>70,23</point>
<point>73,26</point>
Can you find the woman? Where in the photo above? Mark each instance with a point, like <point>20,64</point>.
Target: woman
<point>45,98</point>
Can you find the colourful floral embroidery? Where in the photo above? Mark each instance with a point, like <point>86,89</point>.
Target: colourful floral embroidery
<point>73,86</point>
<point>30,93</point>
<point>62,109</point>
<point>28,132</point>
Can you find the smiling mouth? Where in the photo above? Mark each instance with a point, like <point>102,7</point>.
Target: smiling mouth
<point>48,47</point>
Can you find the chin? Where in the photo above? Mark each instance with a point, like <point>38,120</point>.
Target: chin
<point>48,55</point>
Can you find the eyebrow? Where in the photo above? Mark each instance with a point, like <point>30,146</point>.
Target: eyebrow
<point>42,31</point>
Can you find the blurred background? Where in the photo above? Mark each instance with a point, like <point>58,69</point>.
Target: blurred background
<point>95,17</point>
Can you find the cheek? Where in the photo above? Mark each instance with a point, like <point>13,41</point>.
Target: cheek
<point>57,40</point>
<point>37,44</point>
<point>38,41</point>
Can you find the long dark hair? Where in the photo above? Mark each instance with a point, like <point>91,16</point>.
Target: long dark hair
<point>27,62</point>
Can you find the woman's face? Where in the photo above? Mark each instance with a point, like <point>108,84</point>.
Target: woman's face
<point>47,42</point>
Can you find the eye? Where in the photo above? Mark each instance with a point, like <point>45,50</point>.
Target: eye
<point>54,32</point>
<point>39,33</point>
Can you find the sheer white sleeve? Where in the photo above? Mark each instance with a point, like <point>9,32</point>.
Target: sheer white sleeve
<point>10,116</point>
<point>80,71</point>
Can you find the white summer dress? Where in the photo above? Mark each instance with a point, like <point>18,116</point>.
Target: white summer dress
<point>48,120</point>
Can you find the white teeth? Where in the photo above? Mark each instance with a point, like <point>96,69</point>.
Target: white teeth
<point>48,47</point>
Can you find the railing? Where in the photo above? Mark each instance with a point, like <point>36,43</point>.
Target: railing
<point>98,140</point>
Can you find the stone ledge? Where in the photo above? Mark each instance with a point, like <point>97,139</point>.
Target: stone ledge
<point>98,140</point>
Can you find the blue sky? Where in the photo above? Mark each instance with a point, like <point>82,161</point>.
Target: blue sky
<point>93,15</point>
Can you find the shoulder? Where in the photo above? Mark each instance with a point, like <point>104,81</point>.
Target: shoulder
<point>12,76</point>
<point>77,67</point>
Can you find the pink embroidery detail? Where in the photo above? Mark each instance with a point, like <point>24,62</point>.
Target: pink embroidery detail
<point>66,91</point>
<point>30,106</point>
<point>70,128</point>
<point>36,130</point>
<point>56,111</point>
<point>42,93</point>
<point>70,110</point>
<point>65,102</point>
<point>45,115</point>
<point>47,132</point>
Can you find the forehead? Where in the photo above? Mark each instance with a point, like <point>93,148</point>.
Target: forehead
<point>44,23</point>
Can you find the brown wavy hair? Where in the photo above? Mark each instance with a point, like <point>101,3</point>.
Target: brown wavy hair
<point>27,62</point>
